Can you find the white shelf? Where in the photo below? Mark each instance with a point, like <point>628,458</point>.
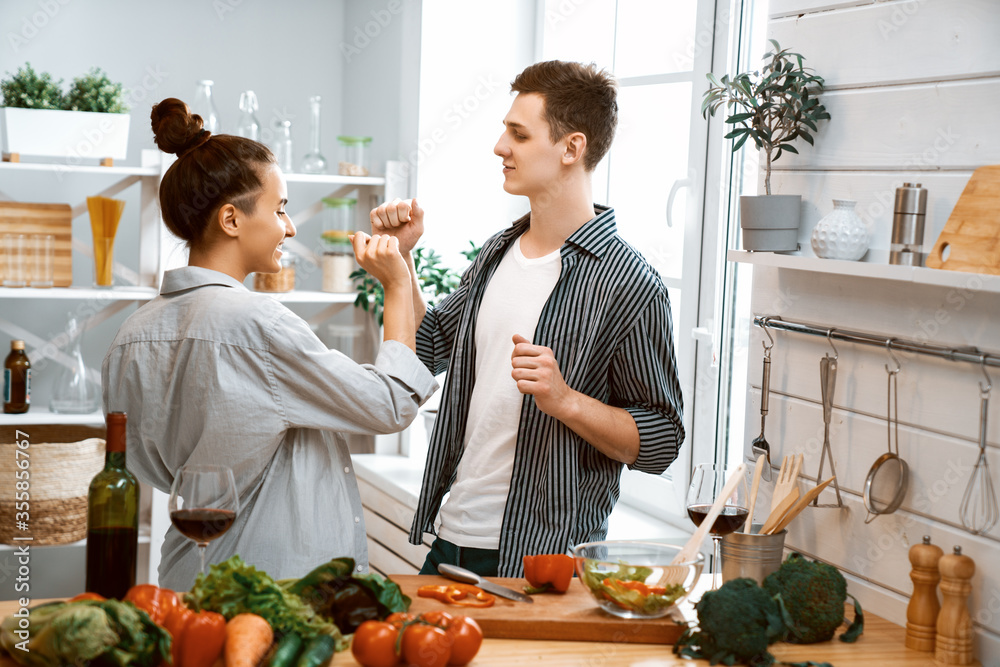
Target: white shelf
<point>334,179</point>
<point>144,538</point>
<point>980,282</point>
<point>39,415</point>
<point>80,169</point>
<point>80,293</point>
<point>303,296</point>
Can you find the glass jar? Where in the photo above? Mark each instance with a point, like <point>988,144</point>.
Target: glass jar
<point>282,146</point>
<point>353,156</point>
<point>204,106</point>
<point>314,162</point>
<point>338,253</point>
<point>282,281</point>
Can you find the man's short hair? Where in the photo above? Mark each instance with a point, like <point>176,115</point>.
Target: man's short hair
<point>578,98</point>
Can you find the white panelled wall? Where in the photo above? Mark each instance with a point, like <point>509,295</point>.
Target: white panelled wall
<point>913,88</point>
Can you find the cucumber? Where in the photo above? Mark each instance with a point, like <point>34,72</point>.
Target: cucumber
<point>286,651</point>
<point>317,652</point>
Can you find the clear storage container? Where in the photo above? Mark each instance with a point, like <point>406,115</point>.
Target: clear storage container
<point>282,281</point>
<point>353,156</point>
<point>338,253</point>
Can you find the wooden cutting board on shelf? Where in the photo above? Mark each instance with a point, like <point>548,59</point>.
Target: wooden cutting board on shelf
<point>571,616</point>
<point>28,219</point>
<point>970,240</point>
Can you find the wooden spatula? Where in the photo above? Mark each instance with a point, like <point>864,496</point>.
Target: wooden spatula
<point>798,506</point>
<point>779,511</point>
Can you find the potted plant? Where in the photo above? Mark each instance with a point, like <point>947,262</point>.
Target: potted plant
<point>91,121</point>
<point>775,107</point>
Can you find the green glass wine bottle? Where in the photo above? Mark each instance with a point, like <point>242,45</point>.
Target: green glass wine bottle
<point>113,519</point>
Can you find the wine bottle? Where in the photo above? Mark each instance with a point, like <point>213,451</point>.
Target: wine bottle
<point>16,380</point>
<point>113,519</point>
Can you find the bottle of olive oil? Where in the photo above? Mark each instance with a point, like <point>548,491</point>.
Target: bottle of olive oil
<point>113,519</point>
<point>16,380</point>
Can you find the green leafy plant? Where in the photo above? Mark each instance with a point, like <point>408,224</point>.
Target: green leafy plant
<point>436,280</point>
<point>96,92</point>
<point>778,105</point>
<point>25,89</point>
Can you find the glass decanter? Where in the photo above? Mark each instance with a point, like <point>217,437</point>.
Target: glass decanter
<point>314,162</point>
<point>204,106</point>
<point>282,145</point>
<point>249,126</point>
<point>72,392</point>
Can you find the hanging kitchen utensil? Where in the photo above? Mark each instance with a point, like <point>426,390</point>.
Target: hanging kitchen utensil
<point>827,383</point>
<point>885,486</point>
<point>759,446</point>
<point>979,504</point>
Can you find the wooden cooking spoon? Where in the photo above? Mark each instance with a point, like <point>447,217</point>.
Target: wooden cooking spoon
<point>799,505</point>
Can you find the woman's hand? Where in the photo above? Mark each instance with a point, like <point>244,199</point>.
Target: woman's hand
<point>379,256</point>
<point>403,219</point>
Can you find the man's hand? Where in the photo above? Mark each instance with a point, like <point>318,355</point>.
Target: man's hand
<point>399,218</point>
<point>536,372</point>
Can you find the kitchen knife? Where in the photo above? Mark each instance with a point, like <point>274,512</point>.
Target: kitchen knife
<point>469,577</point>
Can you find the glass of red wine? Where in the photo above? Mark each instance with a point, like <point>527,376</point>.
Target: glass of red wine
<point>203,503</point>
<point>707,482</point>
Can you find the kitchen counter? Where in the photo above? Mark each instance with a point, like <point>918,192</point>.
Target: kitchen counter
<point>880,646</point>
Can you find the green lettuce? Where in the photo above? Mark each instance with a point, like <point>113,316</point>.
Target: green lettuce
<point>609,586</point>
<point>107,632</point>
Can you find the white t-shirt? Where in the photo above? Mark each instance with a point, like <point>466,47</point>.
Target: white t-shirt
<point>513,300</point>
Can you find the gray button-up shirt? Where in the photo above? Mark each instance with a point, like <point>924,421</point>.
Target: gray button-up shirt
<point>210,372</point>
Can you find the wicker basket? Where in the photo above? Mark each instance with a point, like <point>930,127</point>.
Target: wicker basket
<point>60,474</point>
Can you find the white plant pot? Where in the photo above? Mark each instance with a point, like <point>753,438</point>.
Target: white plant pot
<point>76,135</point>
<point>770,222</point>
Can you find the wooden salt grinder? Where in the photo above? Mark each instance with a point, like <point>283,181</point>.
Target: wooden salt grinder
<point>953,645</point>
<point>922,612</point>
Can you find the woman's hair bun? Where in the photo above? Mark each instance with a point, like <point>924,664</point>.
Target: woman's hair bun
<point>175,129</point>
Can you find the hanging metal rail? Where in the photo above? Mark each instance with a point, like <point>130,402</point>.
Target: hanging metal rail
<point>969,354</point>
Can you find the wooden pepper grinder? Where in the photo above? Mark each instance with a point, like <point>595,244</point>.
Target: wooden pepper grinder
<point>922,612</point>
<point>953,645</point>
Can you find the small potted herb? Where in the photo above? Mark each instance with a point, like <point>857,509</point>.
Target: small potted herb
<point>90,121</point>
<point>775,107</point>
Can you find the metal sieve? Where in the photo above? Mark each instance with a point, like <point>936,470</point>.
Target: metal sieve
<point>885,486</point>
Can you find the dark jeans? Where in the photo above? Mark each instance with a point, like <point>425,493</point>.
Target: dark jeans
<point>484,562</point>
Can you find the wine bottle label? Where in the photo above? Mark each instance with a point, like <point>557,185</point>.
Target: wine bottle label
<point>6,385</point>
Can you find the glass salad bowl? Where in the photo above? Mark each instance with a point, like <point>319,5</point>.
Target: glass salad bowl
<point>632,579</point>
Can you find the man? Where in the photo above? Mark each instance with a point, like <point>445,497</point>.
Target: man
<point>557,344</point>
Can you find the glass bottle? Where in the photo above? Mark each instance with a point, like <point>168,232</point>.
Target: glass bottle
<point>314,162</point>
<point>112,519</point>
<point>73,393</point>
<point>282,147</point>
<point>16,380</point>
<point>204,106</point>
<point>249,126</point>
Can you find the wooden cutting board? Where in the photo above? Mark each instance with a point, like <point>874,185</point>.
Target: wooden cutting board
<point>970,240</point>
<point>571,616</point>
<point>28,219</point>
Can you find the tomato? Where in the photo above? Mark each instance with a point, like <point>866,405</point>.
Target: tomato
<point>88,596</point>
<point>400,618</point>
<point>439,618</point>
<point>425,646</point>
<point>374,644</point>
<point>466,637</point>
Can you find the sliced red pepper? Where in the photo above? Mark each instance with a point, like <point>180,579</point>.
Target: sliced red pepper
<point>458,594</point>
<point>547,572</point>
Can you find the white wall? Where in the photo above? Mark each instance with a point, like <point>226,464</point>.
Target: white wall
<point>910,84</point>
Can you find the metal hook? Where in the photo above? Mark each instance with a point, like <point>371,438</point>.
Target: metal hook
<point>763,326</point>
<point>829,333</point>
<point>989,383</point>
<point>888,348</point>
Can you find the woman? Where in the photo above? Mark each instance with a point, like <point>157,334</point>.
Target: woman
<point>210,372</point>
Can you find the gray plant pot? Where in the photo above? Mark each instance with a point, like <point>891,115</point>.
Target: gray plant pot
<point>770,222</point>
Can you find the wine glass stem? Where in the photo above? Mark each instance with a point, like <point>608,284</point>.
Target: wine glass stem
<point>201,553</point>
<point>716,561</point>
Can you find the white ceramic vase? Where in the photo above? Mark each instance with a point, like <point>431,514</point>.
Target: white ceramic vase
<point>841,233</point>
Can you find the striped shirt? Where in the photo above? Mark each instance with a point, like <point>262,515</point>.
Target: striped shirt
<point>608,324</point>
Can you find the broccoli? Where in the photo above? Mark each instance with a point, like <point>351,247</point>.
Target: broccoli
<point>814,594</point>
<point>735,623</point>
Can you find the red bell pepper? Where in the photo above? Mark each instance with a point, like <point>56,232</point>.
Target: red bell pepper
<point>197,638</point>
<point>158,602</point>
<point>548,572</point>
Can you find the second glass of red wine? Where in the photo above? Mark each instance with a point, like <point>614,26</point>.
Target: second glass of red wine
<point>203,503</point>
<point>707,482</point>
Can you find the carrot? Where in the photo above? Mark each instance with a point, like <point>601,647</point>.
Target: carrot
<point>248,637</point>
